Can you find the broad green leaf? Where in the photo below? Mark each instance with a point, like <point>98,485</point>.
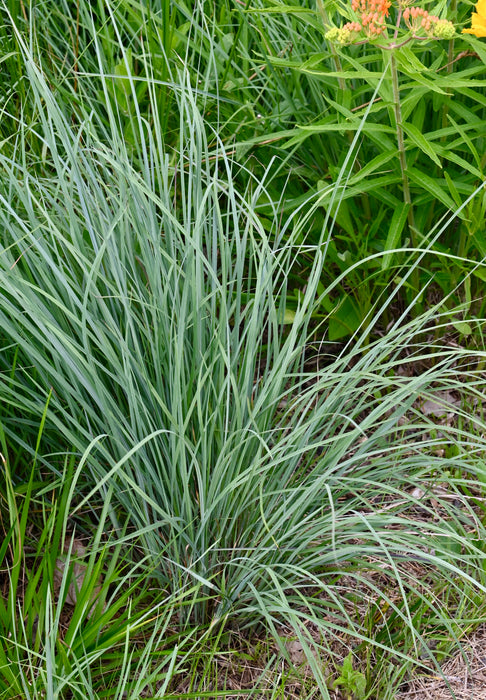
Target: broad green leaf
<point>458,84</point>
<point>407,60</point>
<point>312,62</point>
<point>123,70</point>
<point>346,75</point>
<point>410,102</point>
<point>394,234</point>
<point>345,319</point>
<point>416,136</point>
<point>378,187</point>
<point>431,185</point>
<point>343,127</point>
<point>429,84</point>
<point>419,116</point>
<point>289,316</point>
<point>341,214</point>
<point>450,155</point>
<point>480,273</point>
<point>477,45</point>
<point>463,327</point>
<point>341,108</point>
<point>371,167</point>
<point>453,189</point>
<point>467,140</point>
<point>474,95</point>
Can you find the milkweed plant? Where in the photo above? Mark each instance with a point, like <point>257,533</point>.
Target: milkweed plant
<point>390,26</point>
<point>372,24</point>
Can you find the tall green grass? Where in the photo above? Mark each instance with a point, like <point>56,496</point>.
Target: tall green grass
<point>146,321</point>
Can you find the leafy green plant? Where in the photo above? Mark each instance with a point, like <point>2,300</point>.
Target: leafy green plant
<point>438,135</point>
<point>352,682</point>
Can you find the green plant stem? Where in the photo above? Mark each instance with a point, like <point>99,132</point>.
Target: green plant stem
<point>450,59</point>
<point>334,53</point>
<point>398,124</point>
<point>463,235</point>
<point>403,159</point>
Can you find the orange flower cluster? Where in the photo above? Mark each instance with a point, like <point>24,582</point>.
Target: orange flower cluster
<point>370,24</point>
<point>372,14</point>
<point>379,6</point>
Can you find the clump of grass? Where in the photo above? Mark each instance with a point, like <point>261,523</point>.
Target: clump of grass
<point>149,305</point>
<point>76,622</point>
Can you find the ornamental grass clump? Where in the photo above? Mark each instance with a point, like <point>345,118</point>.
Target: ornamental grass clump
<point>265,479</point>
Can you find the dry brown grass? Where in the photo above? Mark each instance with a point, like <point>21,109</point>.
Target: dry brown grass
<point>464,674</point>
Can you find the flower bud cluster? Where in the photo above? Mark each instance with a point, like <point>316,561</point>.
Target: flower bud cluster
<point>444,29</point>
<point>420,21</point>
<point>345,35</point>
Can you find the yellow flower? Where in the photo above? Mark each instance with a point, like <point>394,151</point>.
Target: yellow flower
<point>478,20</point>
